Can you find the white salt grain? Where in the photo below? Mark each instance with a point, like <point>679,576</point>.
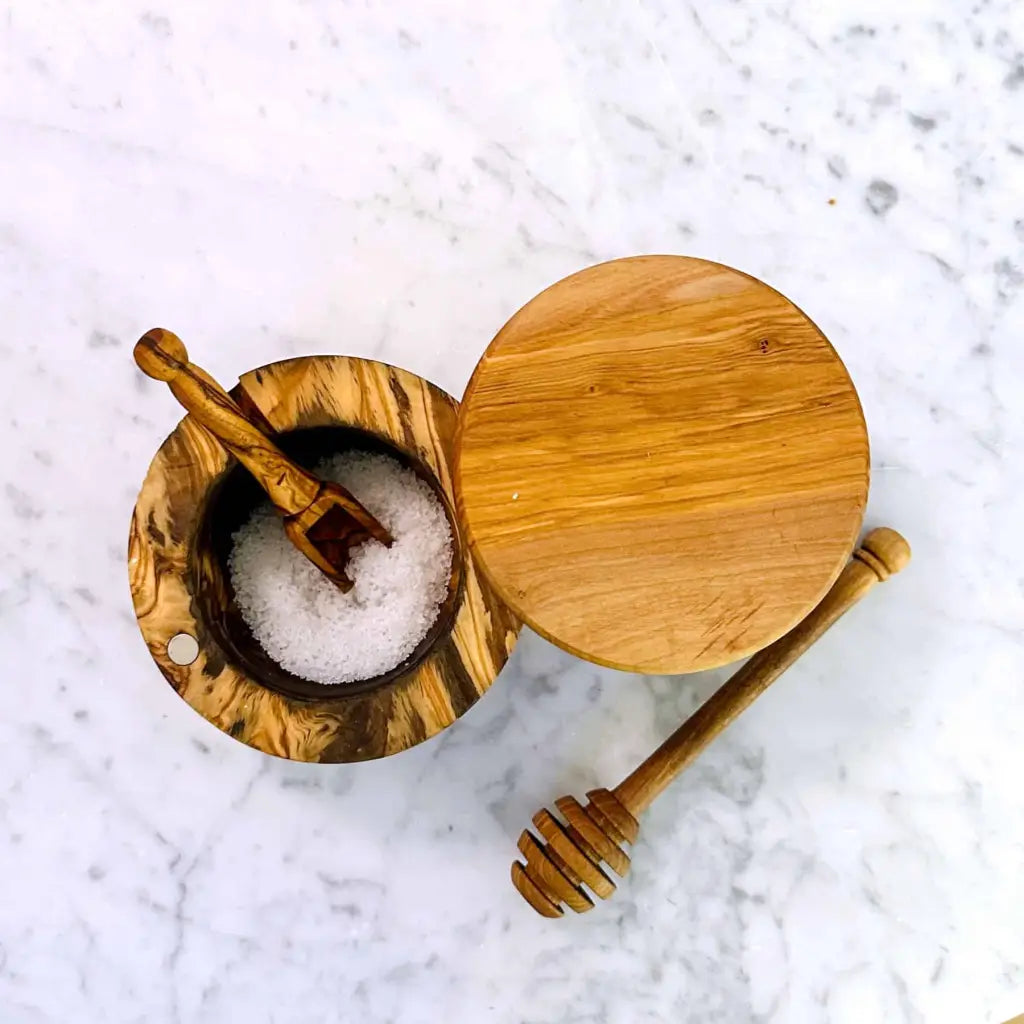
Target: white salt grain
<point>304,622</point>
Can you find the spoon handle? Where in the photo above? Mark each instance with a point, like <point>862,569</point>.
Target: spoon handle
<point>162,356</point>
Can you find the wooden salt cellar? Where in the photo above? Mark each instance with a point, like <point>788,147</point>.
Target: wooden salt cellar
<point>195,495</point>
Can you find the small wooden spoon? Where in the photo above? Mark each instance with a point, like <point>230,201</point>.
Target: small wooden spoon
<point>322,519</point>
<point>570,854</point>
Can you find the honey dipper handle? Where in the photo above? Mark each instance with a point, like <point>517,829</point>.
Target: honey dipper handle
<point>882,553</point>
<point>162,356</point>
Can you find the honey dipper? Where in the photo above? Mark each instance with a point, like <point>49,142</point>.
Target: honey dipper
<point>322,519</point>
<point>555,871</point>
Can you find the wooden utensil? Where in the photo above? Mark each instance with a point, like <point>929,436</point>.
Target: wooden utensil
<point>555,873</point>
<point>321,518</point>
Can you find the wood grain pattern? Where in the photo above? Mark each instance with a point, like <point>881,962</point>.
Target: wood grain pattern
<point>596,831</point>
<point>321,518</point>
<point>662,464</point>
<point>195,494</point>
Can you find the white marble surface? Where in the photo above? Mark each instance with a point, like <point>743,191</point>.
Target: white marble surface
<point>394,180</point>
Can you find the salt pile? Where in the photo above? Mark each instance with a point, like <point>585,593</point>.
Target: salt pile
<point>304,622</point>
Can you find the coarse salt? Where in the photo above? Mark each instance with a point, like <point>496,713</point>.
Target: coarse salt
<point>304,622</point>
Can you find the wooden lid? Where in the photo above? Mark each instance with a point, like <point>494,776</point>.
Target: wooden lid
<point>662,464</point>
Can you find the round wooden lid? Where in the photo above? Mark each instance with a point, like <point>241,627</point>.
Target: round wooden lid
<point>662,464</point>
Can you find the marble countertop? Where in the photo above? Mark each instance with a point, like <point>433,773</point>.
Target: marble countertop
<point>394,180</point>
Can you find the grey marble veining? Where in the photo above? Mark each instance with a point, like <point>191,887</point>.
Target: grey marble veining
<point>394,181</point>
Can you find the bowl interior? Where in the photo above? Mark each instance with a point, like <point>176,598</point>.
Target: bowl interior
<point>232,503</point>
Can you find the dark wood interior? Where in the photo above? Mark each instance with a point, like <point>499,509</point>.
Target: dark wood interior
<point>231,504</point>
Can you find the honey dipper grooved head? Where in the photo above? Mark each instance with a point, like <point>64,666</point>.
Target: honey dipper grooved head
<point>567,861</point>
